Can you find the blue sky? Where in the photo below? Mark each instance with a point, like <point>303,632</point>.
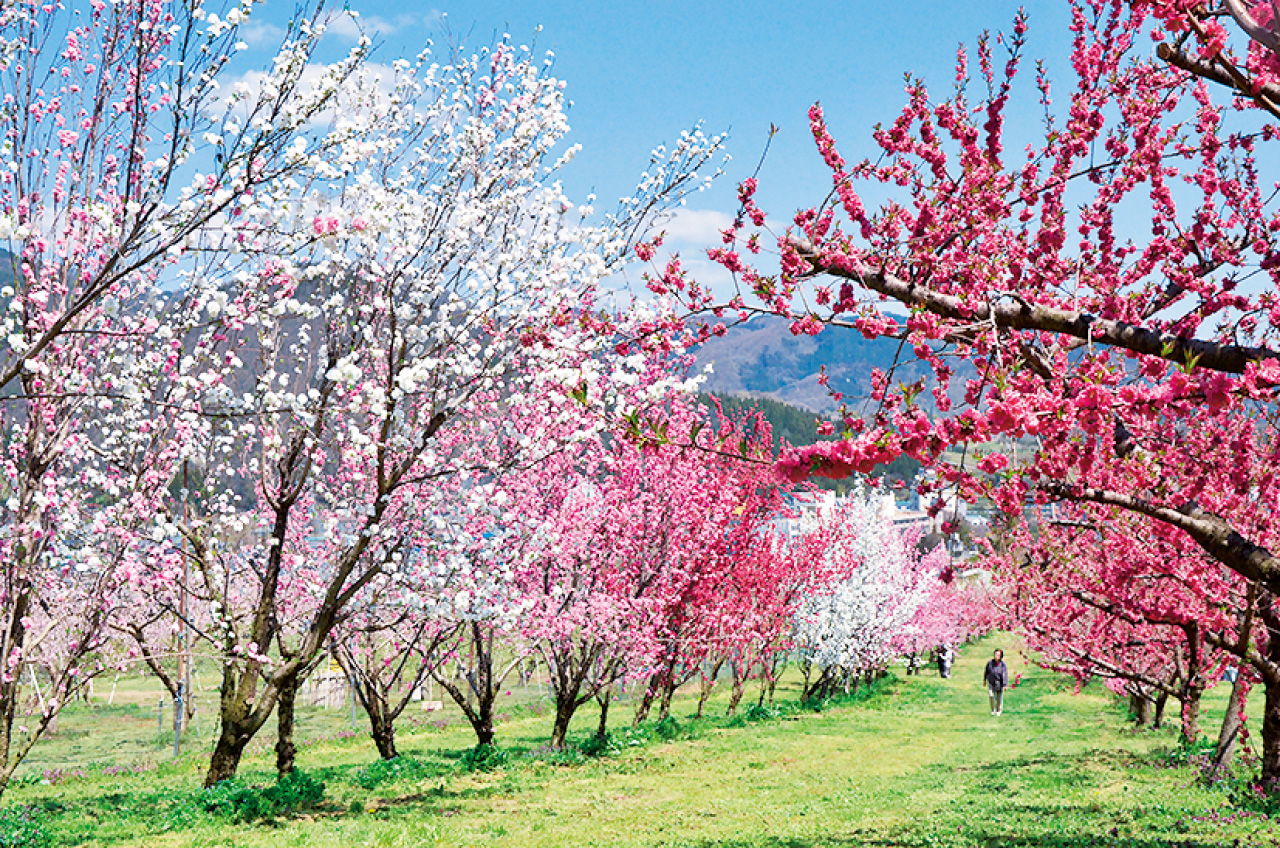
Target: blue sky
<point>640,72</point>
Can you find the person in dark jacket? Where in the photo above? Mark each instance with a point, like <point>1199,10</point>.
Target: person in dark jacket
<point>996,677</point>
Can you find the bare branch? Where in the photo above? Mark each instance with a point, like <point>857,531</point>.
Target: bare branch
<point>1023,315</point>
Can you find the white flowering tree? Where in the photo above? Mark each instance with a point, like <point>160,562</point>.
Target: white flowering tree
<point>874,581</point>
<point>447,614</point>
<point>421,286</point>
<point>482,547</point>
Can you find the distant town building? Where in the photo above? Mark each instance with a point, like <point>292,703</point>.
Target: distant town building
<point>805,511</point>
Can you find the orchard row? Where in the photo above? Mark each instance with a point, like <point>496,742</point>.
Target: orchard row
<point>329,351</point>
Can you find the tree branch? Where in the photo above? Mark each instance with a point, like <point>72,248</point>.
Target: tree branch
<point>1211,532</point>
<point>1024,315</point>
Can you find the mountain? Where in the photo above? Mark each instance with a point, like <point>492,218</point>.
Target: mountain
<point>761,358</point>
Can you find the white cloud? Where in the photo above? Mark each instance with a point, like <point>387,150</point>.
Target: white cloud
<point>352,25</point>
<point>697,227</point>
<point>258,33</point>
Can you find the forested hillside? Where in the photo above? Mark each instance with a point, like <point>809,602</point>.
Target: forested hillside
<point>795,426</point>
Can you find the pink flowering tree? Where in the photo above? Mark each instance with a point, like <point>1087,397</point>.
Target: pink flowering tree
<point>592,605</point>
<point>632,531</point>
<point>756,632</point>
<point>717,542</point>
<point>1140,359</point>
<point>953,612</point>
<point>116,167</point>
<point>1094,602</point>
<point>747,625</point>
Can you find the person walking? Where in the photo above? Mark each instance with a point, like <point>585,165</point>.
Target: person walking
<point>946,657</point>
<point>996,676</point>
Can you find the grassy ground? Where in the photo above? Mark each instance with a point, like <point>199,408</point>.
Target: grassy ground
<point>919,763</point>
<point>128,723</point>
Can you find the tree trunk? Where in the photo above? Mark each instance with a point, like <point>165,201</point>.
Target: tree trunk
<point>664,706</point>
<point>565,708</point>
<point>383,730</point>
<point>569,676</point>
<point>811,688</point>
<point>482,724</point>
<point>286,750</point>
<point>478,710</point>
<point>483,679</point>
<point>602,729</point>
<point>778,668</point>
<point>242,709</point>
<point>1193,685</point>
<point>708,683</point>
<point>1190,714</point>
<point>377,706</point>
<point>1157,720</point>
<point>735,694</point>
<point>1232,721</point>
<point>825,686</point>
<point>1270,670</point>
<point>1271,737</point>
<point>1142,707</point>
<point>226,755</point>
<point>239,720</point>
<point>646,704</point>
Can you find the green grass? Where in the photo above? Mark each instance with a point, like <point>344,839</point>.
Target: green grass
<point>126,726</point>
<point>919,763</point>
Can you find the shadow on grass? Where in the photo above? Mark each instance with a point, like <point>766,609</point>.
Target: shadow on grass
<point>1000,840</point>
<point>1050,761</point>
<point>968,839</point>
